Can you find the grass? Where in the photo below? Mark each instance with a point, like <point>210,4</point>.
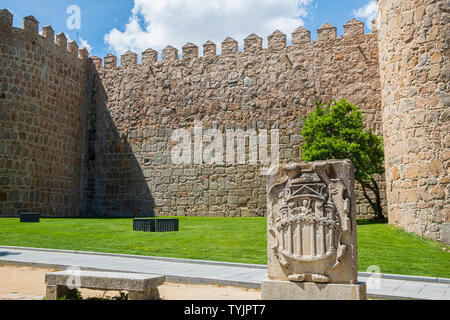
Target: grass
<point>222,239</point>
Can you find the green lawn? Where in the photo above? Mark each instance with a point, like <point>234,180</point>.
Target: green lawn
<point>221,239</point>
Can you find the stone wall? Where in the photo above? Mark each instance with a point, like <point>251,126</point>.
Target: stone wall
<point>415,71</point>
<point>42,126</point>
<point>138,106</point>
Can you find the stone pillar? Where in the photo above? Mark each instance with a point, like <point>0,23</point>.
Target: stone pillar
<point>311,238</point>
<point>152,294</point>
<point>57,292</point>
<point>415,86</point>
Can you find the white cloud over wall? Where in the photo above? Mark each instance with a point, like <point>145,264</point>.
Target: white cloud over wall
<point>368,12</point>
<point>156,24</point>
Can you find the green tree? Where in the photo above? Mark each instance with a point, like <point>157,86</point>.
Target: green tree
<point>336,131</point>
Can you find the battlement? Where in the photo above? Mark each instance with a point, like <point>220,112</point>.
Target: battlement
<point>31,28</point>
<point>277,41</point>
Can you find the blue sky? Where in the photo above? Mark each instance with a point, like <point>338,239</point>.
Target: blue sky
<point>112,26</point>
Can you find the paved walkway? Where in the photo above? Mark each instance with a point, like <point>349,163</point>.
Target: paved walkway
<point>205,272</point>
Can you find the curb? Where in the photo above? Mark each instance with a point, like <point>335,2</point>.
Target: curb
<point>191,261</point>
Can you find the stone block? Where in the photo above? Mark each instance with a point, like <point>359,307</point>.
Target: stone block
<point>286,290</point>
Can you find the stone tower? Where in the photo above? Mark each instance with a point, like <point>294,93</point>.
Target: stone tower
<point>414,72</point>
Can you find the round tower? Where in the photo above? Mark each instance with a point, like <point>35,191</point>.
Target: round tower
<point>413,40</point>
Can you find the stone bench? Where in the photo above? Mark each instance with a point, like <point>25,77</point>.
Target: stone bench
<point>139,286</point>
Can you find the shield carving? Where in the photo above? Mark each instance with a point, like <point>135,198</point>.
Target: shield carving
<point>309,223</point>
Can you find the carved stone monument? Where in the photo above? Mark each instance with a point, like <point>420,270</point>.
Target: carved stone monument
<point>312,249</point>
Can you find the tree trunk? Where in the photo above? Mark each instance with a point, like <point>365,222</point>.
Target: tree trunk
<point>374,204</point>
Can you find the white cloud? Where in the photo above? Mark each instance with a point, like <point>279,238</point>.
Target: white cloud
<point>82,43</point>
<point>368,12</point>
<point>156,24</point>
<point>85,44</point>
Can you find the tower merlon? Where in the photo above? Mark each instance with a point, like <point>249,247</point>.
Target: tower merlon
<point>128,59</point>
<point>353,28</point>
<point>6,21</point>
<point>230,46</point>
<point>190,51</point>
<point>48,33</point>
<point>84,54</point>
<point>73,49</point>
<point>110,61</point>
<point>61,40</point>
<point>209,49</point>
<point>253,43</point>
<point>149,56</point>
<point>170,53</point>
<point>97,61</point>
<point>327,32</point>
<point>31,25</point>
<point>277,41</point>
<point>300,36</point>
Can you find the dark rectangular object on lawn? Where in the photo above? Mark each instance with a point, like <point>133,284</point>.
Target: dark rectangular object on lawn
<point>155,225</point>
<point>30,217</point>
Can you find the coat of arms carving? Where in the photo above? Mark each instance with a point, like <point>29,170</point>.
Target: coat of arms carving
<point>311,223</point>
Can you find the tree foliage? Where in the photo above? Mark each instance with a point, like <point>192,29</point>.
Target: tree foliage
<point>336,131</point>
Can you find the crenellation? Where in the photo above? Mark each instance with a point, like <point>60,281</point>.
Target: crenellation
<point>61,40</point>
<point>327,32</point>
<point>170,53</point>
<point>209,49</point>
<point>353,28</point>
<point>277,41</point>
<point>149,56</point>
<point>48,33</point>
<point>301,36</point>
<point>230,46</point>
<point>31,25</point>
<point>253,43</point>
<point>190,51</point>
<point>73,49</point>
<point>110,61</point>
<point>128,59</point>
<point>6,21</point>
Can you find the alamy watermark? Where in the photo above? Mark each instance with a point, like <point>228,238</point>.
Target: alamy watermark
<point>73,22</point>
<point>232,147</point>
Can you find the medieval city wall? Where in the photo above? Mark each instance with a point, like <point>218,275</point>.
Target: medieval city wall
<point>137,107</point>
<point>42,90</point>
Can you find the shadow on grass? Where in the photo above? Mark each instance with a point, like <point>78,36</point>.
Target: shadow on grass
<point>361,222</point>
